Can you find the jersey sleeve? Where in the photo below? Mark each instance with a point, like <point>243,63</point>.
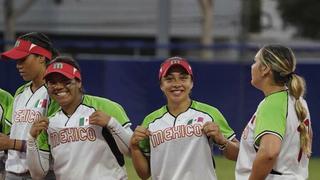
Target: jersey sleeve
<point>271,118</point>
<point>42,141</point>
<point>109,107</point>
<point>9,113</point>
<point>144,145</point>
<point>223,124</point>
<point>6,101</point>
<point>118,113</point>
<point>52,107</point>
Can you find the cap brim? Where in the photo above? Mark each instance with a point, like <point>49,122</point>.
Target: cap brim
<point>14,54</point>
<point>69,76</point>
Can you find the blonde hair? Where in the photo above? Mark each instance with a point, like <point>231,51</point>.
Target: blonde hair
<point>282,63</point>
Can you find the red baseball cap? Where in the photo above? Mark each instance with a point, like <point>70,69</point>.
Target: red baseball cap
<point>63,68</point>
<point>23,48</point>
<point>174,61</point>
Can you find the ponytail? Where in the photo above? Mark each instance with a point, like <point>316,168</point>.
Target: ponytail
<point>296,87</point>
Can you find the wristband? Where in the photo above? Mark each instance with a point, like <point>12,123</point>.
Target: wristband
<point>23,146</point>
<point>223,146</point>
<point>14,144</point>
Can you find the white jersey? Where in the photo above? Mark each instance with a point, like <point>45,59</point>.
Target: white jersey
<point>81,150</point>
<point>177,147</point>
<point>27,107</point>
<point>275,115</point>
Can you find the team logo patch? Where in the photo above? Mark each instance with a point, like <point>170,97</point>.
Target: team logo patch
<point>57,66</point>
<point>198,120</point>
<point>175,61</point>
<point>190,122</point>
<point>17,44</point>
<point>84,121</point>
<point>41,103</point>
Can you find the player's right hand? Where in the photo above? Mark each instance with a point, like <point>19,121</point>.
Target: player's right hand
<point>139,134</point>
<point>38,126</point>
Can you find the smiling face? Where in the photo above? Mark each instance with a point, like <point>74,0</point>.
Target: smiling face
<point>176,85</point>
<point>31,67</point>
<point>67,92</point>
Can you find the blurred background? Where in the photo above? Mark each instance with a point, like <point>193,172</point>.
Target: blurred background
<point>121,43</point>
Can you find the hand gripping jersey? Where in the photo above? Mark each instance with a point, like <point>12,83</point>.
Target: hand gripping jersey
<point>5,105</point>
<point>275,115</point>
<point>177,147</point>
<point>81,150</point>
<point>27,107</point>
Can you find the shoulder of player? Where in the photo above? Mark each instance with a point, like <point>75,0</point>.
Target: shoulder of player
<point>22,88</point>
<point>5,96</point>
<point>99,102</point>
<point>157,114</point>
<point>203,107</point>
<point>275,100</point>
<point>55,113</point>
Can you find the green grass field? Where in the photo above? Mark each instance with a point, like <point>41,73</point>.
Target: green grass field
<point>225,169</point>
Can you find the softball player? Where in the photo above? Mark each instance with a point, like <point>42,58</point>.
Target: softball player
<point>175,141</point>
<point>5,103</point>
<point>87,137</point>
<point>276,143</point>
<point>31,101</point>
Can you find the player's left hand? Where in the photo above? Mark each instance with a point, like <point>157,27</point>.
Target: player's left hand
<point>212,130</point>
<point>99,118</point>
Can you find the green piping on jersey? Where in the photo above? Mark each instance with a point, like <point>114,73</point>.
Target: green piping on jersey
<point>21,88</point>
<point>109,107</point>
<point>216,116</point>
<point>271,116</point>
<point>144,144</point>
<point>18,91</point>
<point>212,112</point>
<point>53,107</point>
<point>6,101</point>
<point>154,116</point>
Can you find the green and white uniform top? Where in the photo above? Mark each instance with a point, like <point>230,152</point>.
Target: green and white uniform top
<point>275,115</point>
<point>81,150</point>
<point>5,104</point>
<point>177,146</point>
<point>27,107</point>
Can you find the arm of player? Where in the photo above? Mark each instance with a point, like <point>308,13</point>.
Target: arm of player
<point>230,148</point>
<point>121,135</point>
<point>38,161</point>
<point>140,162</point>
<point>267,154</point>
<point>13,144</point>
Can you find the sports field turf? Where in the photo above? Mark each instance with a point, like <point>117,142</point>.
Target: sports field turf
<point>225,169</point>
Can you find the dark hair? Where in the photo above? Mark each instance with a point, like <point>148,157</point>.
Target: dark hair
<point>42,40</point>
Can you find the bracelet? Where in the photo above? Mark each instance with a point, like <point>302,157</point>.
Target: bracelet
<point>223,146</point>
<point>14,144</point>
<point>23,146</point>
